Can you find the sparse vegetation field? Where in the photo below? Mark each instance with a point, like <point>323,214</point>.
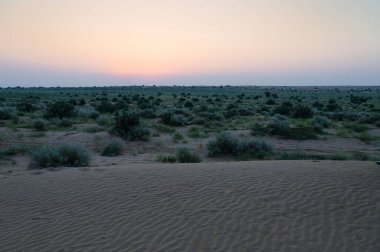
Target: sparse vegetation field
<point>194,123</point>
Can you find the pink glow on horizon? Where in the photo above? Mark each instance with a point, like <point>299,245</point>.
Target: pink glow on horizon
<point>158,39</point>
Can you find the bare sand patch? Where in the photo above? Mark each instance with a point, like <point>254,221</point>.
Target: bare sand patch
<point>230,206</point>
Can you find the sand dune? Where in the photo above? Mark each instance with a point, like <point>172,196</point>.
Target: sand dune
<point>237,206</point>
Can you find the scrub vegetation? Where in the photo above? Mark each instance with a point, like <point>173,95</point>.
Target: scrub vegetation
<point>190,124</point>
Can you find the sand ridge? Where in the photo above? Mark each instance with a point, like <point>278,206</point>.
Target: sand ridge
<point>232,206</point>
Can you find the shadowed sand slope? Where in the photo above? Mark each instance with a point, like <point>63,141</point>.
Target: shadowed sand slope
<point>237,206</point>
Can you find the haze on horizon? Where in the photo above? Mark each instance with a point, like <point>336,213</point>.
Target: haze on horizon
<point>189,42</point>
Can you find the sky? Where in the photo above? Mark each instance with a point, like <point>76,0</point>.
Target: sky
<point>189,42</point>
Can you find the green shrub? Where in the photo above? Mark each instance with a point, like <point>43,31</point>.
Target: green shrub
<point>195,132</point>
<point>177,137</point>
<point>302,133</point>
<point>358,127</point>
<point>166,158</point>
<point>6,113</point>
<point>15,150</point>
<point>270,102</point>
<point>256,148</point>
<point>365,137</point>
<point>65,155</point>
<point>114,148</point>
<point>340,116</point>
<point>284,109</point>
<point>279,125</point>
<point>106,107</point>
<point>322,121</point>
<point>163,128</point>
<point>339,156</point>
<point>332,105</point>
<point>147,113</point>
<point>172,119</point>
<point>183,155</point>
<point>103,120</point>
<point>15,119</point>
<point>211,116</point>
<point>302,111</point>
<point>60,109</point>
<point>127,125</point>
<point>138,133</point>
<point>73,155</point>
<point>88,112</point>
<point>224,144</point>
<point>64,122</point>
<point>258,130</point>
<point>39,125</point>
<point>361,156</point>
<point>26,106</point>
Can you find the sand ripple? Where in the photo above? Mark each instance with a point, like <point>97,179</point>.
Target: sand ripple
<point>242,206</point>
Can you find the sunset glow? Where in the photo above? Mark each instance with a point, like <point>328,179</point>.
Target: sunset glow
<point>160,40</point>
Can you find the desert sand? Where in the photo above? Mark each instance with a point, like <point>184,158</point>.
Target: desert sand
<point>230,206</point>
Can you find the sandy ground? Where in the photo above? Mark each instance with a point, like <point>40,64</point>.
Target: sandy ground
<point>146,152</point>
<point>236,206</point>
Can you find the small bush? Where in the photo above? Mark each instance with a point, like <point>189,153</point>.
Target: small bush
<point>332,105</point>
<point>39,125</point>
<point>365,137</point>
<point>114,148</point>
<point>106,107</point>
<point>340,116</point>
<point>177,137</point>
<point>183,155</point>
<point>163,128</point>
<point>302,111</point>
<point>224,144</point>
<point>65,123</point>
<point>88,112</point>
<point>60,109</point>
<point>127,125</point>
<point>45,156</point>
<point>257,148</point>
<point>279,125</point>
<point>26,106</point>
<point>138,133</point>
<point>15,150</point>
<point>358,127</point>
<point>284,109</point>
<point>258,130</point>
<point>65,155</point>
<point>6,113</point>
<point>73,155</point>
<point>103,120</point>
<point>172,119</point>
<point>339,156</point>
<point>302,133</point>
<point>166,158</point>
<point>195,132</point>
<point>322,121</point>
<point>211,116</point>
<point>361,156</point>
<point>147,113</point>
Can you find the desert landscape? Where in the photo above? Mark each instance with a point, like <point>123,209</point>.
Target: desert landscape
<point>268,169</point>
<point>189,126</point>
